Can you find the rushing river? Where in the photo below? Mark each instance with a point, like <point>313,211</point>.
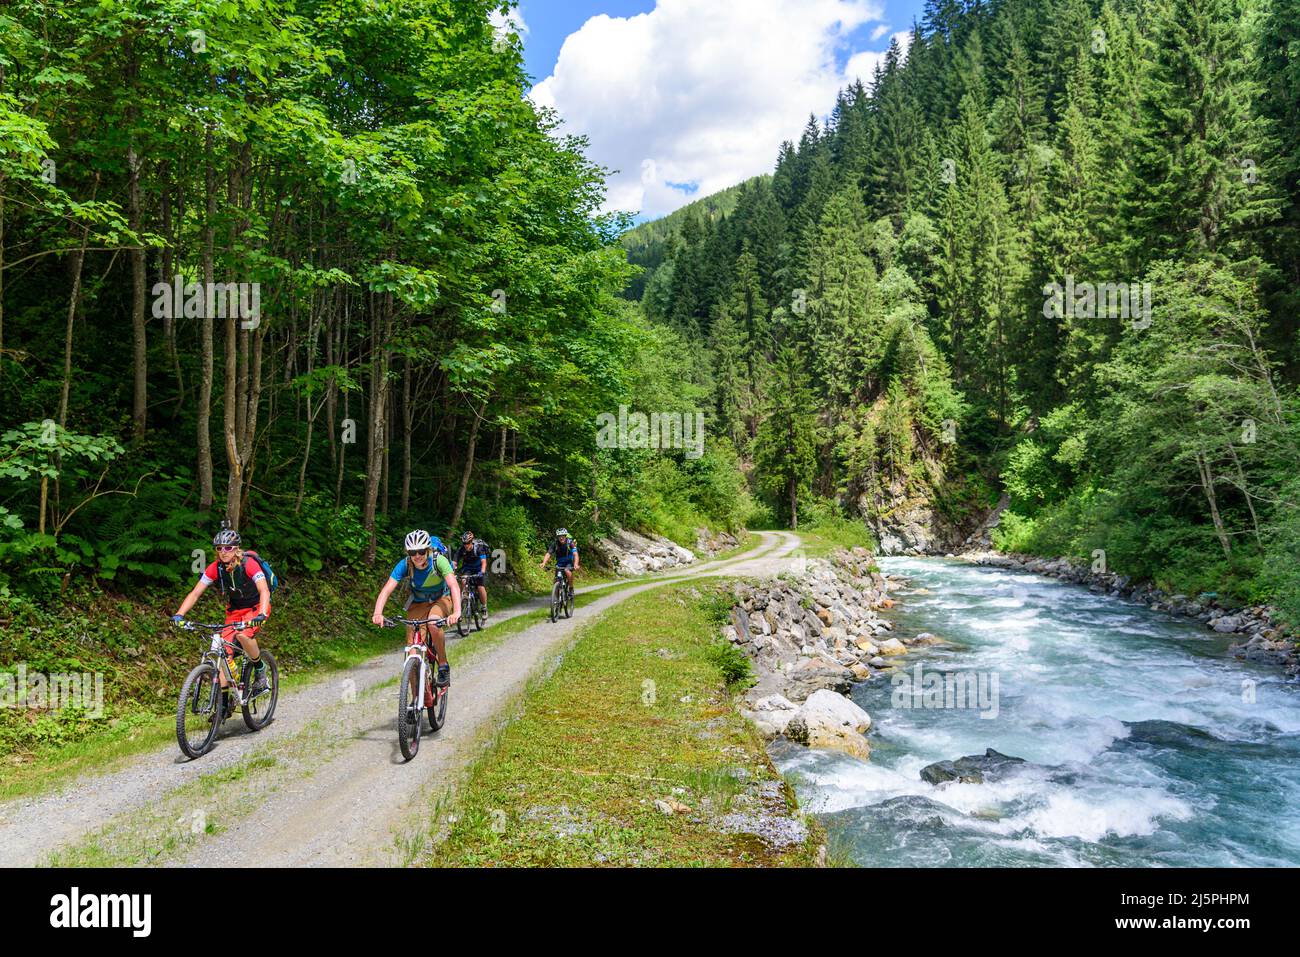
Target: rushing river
<point>1144,743</point>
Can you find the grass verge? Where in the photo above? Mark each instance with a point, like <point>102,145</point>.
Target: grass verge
<point>630,753</point>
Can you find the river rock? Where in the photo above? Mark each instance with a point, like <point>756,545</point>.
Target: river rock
<point>831,721</point>
<point>892,646</point>
<point>816,675</point>
<point>771,713</point>
<point>867,647</point>
<point>971,769</point>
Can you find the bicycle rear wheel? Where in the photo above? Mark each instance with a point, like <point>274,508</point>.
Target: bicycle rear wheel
<point>462,623</point>
<point>259,711</point>
<point>198,711</point>
<point>408,711</point>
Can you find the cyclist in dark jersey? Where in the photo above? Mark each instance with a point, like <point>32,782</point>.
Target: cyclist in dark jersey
<point>471,560</point>
<point>565,552</point>
<point>248,599</point>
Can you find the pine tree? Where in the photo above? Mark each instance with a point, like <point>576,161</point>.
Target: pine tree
<point>842,321</point>
<point>1203,161</point>
<point>785,448</point>
<point>895,166</point>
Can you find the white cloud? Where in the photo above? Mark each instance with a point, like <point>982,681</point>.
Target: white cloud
<point>880,31</point>
<point>862,65</point>
<point>701,91</point>
<point>507,23</point>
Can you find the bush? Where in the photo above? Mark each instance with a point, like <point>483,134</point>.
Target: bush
<point>732,664</point>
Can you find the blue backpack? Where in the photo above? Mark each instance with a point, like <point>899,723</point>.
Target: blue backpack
<point>272,579</point>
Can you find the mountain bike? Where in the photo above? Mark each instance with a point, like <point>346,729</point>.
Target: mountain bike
<point>472,610</point>
<point>417,672</point>
<point>561,596</point>
<point>203,704</point>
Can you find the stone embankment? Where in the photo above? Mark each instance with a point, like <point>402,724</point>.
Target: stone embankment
<point>811,633</point>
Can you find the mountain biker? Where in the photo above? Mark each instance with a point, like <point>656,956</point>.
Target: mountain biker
<point>432,592</point>
<point>565,552</point>
<point>472,561</point>
<point>241,580</point>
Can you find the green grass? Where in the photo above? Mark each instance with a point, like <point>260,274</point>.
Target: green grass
<point>637,711</point>
<point>824,537</point>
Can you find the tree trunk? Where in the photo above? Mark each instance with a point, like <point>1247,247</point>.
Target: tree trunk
<point>469,466</point>
<point>140,359</point>
<point>406,437</point>
<point>1207,486</point>
<point>203,436</point>
<point>75,267</point>
<point>381,330</point>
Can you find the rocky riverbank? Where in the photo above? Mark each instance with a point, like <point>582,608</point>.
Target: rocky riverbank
<point>810,634</point>
<point>1259,634</point>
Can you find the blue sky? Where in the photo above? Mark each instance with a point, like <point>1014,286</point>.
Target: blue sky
<point>550,21</point>
<point>681,98</point>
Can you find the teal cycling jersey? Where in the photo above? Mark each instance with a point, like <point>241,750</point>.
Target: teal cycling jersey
<point>427,583</point>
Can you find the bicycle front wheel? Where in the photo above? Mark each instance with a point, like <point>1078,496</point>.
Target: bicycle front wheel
<point>438,713</point>
<point>557,600</point>
<point>480,614</point>
<point>568,603</point>
<point>462,623</point>
<point>259,711</point>
<point>198,711</point>
<point>408,710</point>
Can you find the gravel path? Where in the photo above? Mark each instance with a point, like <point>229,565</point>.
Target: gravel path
<point>325,784</point>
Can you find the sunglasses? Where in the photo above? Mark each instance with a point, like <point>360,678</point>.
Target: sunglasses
<point>423,551</point>
<point>227,548</point>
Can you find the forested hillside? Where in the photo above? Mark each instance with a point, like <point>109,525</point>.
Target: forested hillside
<point>317,267</point>
<point>1052,250</point>
<point>651,244</point>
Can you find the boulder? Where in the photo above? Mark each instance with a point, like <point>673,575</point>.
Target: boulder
<point>971,769</point>
<point>771,713</point>
<point>814,675</point>
<point>892,646</point>
<point>831,721</point>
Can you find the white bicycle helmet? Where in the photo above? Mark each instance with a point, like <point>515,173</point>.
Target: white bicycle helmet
<point>418,540</point>
<point>227,536</point>
<point>561,533</point>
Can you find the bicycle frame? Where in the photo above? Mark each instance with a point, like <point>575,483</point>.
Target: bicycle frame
<point>221,651</point>
<point>419,643</point>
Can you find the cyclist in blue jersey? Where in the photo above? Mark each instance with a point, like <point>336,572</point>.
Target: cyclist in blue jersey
<point>432,592</point>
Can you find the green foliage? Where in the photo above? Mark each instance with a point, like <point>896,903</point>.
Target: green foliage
<point>733,664</point>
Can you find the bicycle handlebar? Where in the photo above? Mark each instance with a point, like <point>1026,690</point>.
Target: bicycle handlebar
<point>394,622</point>
<point>200,626</point>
